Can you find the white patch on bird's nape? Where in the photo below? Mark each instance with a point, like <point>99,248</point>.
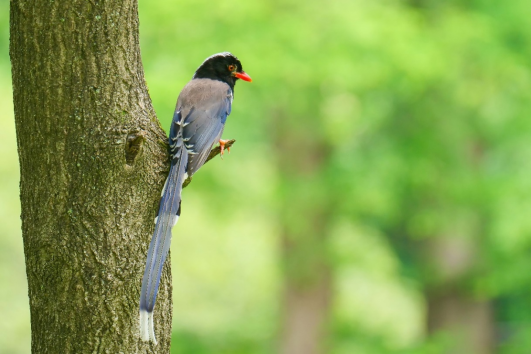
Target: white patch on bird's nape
<point>156,219</point>
<point>222,55</point>
<point>217,55</point>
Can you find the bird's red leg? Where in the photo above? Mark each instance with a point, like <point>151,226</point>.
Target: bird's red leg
<point>222,147</point>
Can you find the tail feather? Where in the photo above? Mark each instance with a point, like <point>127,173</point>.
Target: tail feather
<point>144,326</point>
<point>169,211</point>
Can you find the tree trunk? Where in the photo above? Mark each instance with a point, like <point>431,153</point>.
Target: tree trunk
<point>306,314</point>
<point>304,220</point>
<point>469,321</point>
<point>451,309</point>
<point>93,160</point>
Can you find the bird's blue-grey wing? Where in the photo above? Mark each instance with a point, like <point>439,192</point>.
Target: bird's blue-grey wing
<point>202,127</point>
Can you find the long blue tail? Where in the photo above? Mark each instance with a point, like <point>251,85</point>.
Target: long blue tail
<point>169,211</point>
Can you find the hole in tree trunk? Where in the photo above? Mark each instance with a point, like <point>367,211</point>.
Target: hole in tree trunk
<point>133,146</point>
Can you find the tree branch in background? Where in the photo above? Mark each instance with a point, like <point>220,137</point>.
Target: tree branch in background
<point>213,153</point>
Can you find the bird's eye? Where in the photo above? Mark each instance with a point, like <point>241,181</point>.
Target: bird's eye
<point>231,67</point>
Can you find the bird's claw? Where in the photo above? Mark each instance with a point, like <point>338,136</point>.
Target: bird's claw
<point>222,147</point>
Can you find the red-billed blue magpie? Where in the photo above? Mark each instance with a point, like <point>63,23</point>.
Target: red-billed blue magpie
<point>200,114</point>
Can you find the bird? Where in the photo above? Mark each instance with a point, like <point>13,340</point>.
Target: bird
<point>199,118</point>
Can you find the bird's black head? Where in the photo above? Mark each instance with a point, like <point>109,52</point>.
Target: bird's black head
<point>223,67</point>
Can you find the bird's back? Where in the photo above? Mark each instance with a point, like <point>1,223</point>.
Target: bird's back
<point>205,105</point>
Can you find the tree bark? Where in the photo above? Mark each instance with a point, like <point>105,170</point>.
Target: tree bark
<point>93,160</point>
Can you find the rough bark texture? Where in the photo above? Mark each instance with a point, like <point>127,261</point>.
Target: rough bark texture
<point>93,160</point>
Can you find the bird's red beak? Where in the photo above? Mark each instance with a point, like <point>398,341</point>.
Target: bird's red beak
<point>243,75</point>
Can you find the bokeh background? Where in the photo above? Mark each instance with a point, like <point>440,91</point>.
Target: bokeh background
<point>379,188</point>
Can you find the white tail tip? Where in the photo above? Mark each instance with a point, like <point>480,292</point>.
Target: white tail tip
<point>147,331</point>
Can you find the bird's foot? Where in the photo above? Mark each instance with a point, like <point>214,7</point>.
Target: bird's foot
<point>222,147</point>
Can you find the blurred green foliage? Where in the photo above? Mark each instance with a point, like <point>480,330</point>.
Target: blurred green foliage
<point>424,108</point>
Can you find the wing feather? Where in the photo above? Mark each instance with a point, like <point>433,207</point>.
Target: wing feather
<point>205,105</point>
